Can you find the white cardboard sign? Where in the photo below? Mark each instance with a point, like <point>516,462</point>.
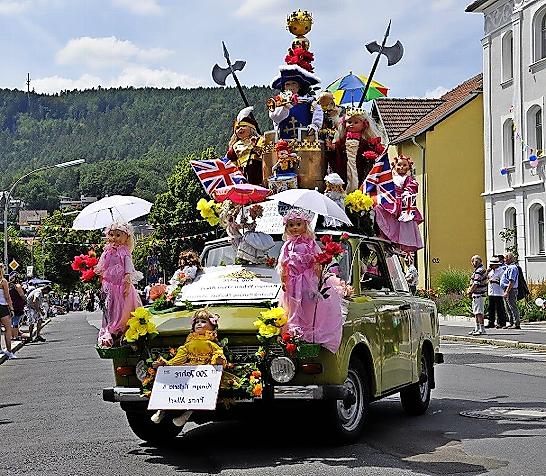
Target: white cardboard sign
<point>187,387</point>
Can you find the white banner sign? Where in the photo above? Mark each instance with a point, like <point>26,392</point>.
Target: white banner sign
<point>271,220</point>
<point>188,387</point>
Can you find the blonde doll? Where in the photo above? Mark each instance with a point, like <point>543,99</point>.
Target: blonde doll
<point>352,156</point>
<point>116,269</point>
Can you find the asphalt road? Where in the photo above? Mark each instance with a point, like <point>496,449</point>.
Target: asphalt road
<point>54,422</point>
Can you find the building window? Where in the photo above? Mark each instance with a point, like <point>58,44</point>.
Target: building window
<point>543,36</point>
<point>539,35</point>
<point>510,232</point>
<point>536,228</point>
<point>509,155</point>
<point>538,127</point>
<point>507,57</point>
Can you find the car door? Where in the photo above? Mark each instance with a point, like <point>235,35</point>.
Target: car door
<point>393,316</point>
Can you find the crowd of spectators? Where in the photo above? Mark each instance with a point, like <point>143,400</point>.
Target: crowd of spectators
<point>22,304</point>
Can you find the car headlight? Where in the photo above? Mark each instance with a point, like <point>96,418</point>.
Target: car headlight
<point>141,370</point>
<point>282,369</point>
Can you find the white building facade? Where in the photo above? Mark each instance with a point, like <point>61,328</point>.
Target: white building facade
<point>514,82</point>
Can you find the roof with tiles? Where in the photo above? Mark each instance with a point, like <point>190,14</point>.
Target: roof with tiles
<point>397,114</point>
<point>443,107</point>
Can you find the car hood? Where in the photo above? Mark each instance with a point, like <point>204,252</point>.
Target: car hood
<point>233,320</point>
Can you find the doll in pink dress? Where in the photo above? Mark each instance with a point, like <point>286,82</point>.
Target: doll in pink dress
<point>315,318</point>
<point>401,224</point>
<point>118,273</point>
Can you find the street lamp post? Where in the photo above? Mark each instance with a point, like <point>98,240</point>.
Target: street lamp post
<point>8,193</point>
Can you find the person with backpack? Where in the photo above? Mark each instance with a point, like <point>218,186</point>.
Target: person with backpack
<point>510,283</point>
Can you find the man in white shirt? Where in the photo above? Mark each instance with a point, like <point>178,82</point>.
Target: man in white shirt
<point>495,294</point>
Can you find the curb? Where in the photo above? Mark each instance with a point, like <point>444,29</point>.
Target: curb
<point>497,342</point>
<point>20,344</point>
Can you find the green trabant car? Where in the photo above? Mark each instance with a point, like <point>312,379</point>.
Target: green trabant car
<point>390,341</point>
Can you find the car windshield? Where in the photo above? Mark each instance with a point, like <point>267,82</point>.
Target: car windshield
<point>224,254</point>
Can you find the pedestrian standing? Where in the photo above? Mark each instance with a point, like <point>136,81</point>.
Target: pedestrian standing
<point>76,302</point>
<point>18,298</point>
<point>6,311</point>
<point>495,293</point>
<point>509,284</point>
<point>35,302</point>
<point>477,291</point>
<point>412,276</point>
<point>70,302</point>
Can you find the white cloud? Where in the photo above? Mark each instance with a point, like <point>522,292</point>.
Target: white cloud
<point>266,11</point>
<point>139,7</point>
<point>136,76</point>
<point>13,7</point>
<point>9,7</point>
<point>436,92</point>
<point>104,52</point>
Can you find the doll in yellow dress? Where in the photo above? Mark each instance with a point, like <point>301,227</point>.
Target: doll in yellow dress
<point>201,348</point>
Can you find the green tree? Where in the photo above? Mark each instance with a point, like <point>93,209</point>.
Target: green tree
<point>39,194</point>
<point>18,250</point>
<point>58,244</point>
<point>175,207</point>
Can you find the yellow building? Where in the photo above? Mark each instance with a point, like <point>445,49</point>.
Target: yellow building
<point>444,137</point>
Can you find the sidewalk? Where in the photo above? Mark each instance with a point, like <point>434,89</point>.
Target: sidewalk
<point>17,344</point>
<point>530,336</point>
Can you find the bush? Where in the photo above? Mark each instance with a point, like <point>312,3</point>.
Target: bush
<point>453,281</point>
<point>529,311</point>
<point>454,305</point>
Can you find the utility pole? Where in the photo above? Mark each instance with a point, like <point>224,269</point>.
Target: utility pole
<point>28,90</point>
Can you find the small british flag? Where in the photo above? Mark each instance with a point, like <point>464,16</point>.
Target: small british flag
<point>379,184</point>
<point>216,173</point>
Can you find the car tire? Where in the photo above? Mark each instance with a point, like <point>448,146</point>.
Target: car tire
<point>416,398</point>
<point>157,434</point>
<point>346,418</point>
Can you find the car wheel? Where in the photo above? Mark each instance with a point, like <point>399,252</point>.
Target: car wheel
<point>416,398</point>
<point>157,434</point>
<point>347,417</point>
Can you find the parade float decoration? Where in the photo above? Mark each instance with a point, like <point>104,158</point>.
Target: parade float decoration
<point>85,265</point>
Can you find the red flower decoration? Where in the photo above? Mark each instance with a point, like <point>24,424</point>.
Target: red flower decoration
<point>370,155</point>
<point>91,261</point>
<point>326,239</point>
<point>286,337</point>
<point>291,348</point>
<point>324,258</point>
<point>344,236</point>
<point>88,275</point>
<point>334,249</point>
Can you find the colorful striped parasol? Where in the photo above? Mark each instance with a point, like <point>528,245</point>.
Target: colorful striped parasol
<point>349,88</point>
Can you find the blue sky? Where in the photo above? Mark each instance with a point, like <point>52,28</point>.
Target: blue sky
<point>69,44</point>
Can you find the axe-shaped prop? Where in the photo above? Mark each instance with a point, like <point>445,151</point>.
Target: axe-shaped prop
<point>219,75</point>
<point>393,53</point>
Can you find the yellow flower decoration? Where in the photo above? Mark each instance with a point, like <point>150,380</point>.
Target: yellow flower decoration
<point>358,202</point>
<point>269,330</point>
<point>209,211</point>
<point>140,324</point>
<point>277,314</point>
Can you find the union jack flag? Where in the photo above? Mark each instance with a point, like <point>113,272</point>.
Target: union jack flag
<point>216,173</point>
<point>379,184</point>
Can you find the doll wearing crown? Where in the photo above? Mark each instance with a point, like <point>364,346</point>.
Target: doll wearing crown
<point>353,154</point>
<point>315,318</point>
<point>245,146</point>
<point>116,269</point>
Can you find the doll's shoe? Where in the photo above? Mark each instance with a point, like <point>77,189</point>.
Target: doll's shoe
<point>158,416</point>
<point>182,419</point>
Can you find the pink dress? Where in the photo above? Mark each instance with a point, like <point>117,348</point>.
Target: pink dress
<point>318,320</point>
<point>401,224</point>
<point>114,263</point>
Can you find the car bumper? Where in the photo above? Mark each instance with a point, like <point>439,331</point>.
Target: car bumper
<point>280,392</point>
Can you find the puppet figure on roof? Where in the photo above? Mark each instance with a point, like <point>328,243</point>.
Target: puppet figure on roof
<point>330,121</point>
<point>245,146</point>
<point>353,154</point>
<point>401,223</point>
<point>335,190</point>
<point>295,80</point>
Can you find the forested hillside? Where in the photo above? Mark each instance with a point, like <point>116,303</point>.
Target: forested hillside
<point>130,138</point>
